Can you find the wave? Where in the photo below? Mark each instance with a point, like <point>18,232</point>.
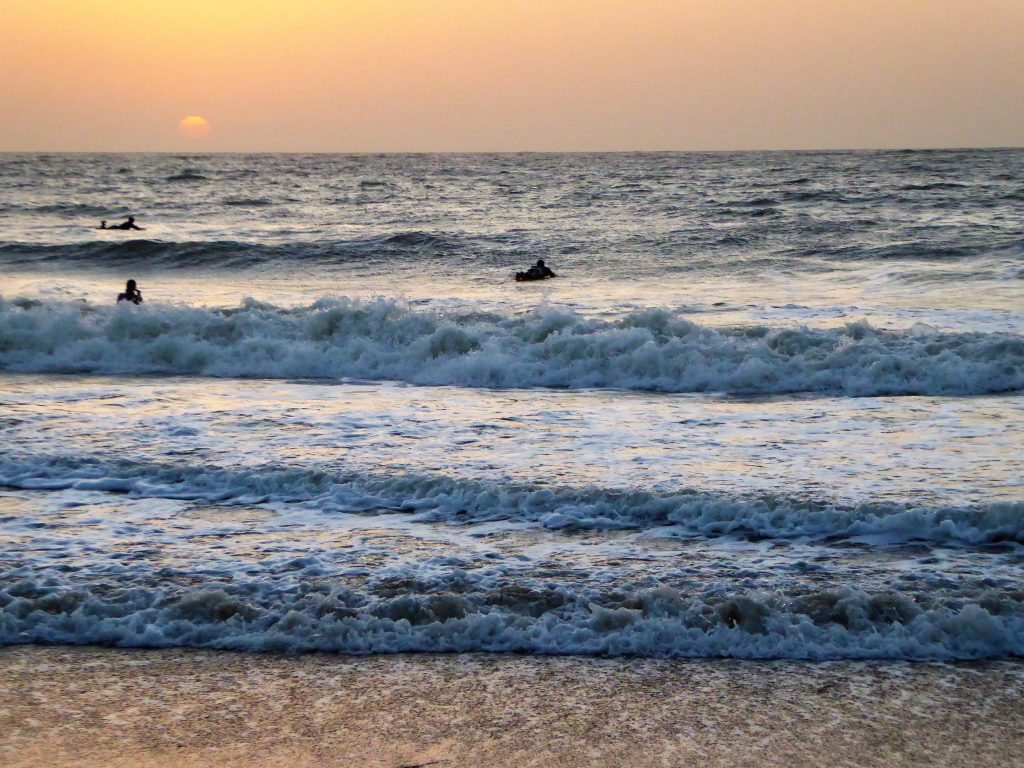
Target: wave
<point>137,251</point>
<point>311,602</point>
<point>417,239</point>
<point>783,197</point>
<point>226,254</point>
<point>188,174</point>
<point>70,209</point>
<point>247,202</point>
<point>441,499</point>
<point>923,251</point>
<point>654,350</point>
<point>449,610</point>
<point>932,186</point>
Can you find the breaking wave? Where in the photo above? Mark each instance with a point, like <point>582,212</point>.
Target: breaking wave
<point>655,350</point>
<point>321,615</point>
<point>309,602</point>
<point>460,501</point>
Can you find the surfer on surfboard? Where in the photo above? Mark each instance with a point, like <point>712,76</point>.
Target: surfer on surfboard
<point>130,224</point>
<point>537,272</point>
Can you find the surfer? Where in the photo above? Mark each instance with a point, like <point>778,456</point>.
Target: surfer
<point>131,293</point>
<point>537,272</point>
<point>541,270</point>
<point>130,224</point>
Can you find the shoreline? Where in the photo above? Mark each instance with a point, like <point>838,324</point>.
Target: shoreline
<point>89,706</point>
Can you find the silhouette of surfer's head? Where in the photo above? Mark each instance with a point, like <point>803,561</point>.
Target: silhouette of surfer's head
<point>130,287</point>
<point>540,262</point>
<point>131,219</point>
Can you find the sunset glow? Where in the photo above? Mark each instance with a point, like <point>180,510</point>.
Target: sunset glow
<point>519,74</point>
<point>194,127</point>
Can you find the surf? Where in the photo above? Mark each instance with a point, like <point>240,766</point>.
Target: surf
<point>385,339</point>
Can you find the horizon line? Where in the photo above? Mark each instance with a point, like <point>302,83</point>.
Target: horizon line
<point>946,148</point>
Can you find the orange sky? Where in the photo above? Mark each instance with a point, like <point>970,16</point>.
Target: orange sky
<point>450,75</point>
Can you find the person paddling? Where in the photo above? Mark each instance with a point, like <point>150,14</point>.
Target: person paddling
<point>131,293</point>
<point>538,271</point>
<point>130,224</point>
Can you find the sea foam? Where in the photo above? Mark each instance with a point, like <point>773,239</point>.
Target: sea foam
<point>457,611</point>
<point>655,350</point>
<point>462,501</point>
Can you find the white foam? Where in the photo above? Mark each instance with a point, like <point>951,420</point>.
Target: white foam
<point>654,350</point>
<point>844,623</point>
<point>460,501</point>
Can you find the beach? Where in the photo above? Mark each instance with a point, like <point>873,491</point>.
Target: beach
<point>397,384</point>
<point>107,707</point>
<point>740,486</point>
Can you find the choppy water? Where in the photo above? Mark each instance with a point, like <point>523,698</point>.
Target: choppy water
<point>771,407</point>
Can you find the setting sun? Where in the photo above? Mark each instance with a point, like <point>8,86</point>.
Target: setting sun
<point>194,127</point>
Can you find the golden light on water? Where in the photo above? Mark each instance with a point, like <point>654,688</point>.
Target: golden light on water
<point>194,127</point>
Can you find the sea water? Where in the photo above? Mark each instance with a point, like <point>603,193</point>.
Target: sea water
<point>771,407</point>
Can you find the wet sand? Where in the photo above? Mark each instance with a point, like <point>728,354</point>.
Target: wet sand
<point>63,706</point>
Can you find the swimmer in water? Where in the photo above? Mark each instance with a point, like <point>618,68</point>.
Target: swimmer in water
<point>131,293</point>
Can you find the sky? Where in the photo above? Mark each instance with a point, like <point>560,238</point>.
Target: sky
<point>510,75</point>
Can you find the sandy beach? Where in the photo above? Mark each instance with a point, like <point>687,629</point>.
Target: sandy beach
<point>68,706</point>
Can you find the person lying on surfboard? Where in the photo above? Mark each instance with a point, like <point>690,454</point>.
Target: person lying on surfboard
<point>537,272</point>
<point>130,224</point>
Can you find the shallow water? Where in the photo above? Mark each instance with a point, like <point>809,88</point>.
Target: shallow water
<point>794,431</point>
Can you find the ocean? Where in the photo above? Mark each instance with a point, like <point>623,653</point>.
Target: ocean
<point>771,407</point>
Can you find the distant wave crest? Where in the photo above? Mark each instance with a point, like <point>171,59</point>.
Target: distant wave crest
<point>224,254</point>
<point>189,174</point>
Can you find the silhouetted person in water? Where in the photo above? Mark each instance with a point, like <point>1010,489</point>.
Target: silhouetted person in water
<point>130,224</point>
<point>541,270</point>
<point>537,272</point>
<point>131,293</point>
